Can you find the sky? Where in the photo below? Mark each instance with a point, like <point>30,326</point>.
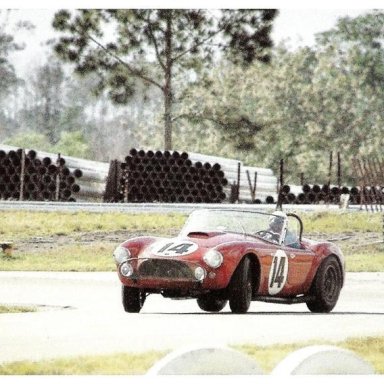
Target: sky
<point>298,25</point>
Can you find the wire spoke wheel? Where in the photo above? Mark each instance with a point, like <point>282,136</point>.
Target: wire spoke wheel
<point>326,286</point>
<point>330,283</point>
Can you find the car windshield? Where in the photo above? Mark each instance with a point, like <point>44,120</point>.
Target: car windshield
<point>243,222</point>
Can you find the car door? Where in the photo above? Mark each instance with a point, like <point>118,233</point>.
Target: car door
<point>288,265</point>
<point>299,265</point>
<point>299,259</point>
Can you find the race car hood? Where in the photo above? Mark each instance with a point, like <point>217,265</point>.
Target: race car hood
<point>187,245</point>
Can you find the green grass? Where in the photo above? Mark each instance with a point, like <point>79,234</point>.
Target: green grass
<point>342,222</point>
<point>16,309</point>
<point>114,364</point>
<point>370,349</point>
<point>96,256</point>
<point>17,225</point>
<point>369,258</point>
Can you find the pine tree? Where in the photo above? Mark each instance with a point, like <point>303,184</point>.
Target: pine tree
<point>155,46</point>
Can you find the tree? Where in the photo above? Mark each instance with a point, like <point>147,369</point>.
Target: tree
<point>48,94</point>
<point>7,45</point>
<point>310,100</point>
<point>8,78</point>
<point>155,46</point>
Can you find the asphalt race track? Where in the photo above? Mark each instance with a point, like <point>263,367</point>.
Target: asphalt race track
<point>81,314</point>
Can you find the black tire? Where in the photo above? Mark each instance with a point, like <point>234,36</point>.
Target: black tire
<point>133,299</point>
<point>241,286</point>
<point>211,303</point>
<point>326,286</point>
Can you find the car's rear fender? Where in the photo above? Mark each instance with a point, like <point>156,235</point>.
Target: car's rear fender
<point>318,261</point>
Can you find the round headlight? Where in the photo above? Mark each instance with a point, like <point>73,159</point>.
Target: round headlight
<point>126,270</point>
<point>200,273</point>
<point>213,258</point>
<point>121,254</point>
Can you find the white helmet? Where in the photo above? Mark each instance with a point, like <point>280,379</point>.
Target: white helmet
<point>280,214</point>
<point>276,221</point>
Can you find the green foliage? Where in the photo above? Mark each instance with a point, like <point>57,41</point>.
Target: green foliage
<point>8,76</point>
<point>72,144</point>
<point>29,139</point>
<point>304,104</point>
<point>156,46</point>
<point>308,102</point>
<point>45,89</point>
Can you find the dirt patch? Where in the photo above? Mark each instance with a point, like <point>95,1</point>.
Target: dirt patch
<point>350,240</point>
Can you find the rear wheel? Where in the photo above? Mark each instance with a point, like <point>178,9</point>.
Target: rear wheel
<point>133,299</point>
<point>241,287</point>
<point>326,286</point>
<point>211,303</point>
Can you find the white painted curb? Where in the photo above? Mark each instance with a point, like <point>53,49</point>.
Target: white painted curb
<point>205,360</point>
<point>323,360</point>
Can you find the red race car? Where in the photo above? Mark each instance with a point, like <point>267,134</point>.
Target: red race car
<point>236,256</point>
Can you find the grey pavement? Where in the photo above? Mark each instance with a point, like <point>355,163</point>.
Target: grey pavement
<point>81,314</point>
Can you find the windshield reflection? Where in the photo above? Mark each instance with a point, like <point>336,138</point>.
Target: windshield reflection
<point>242,222</point>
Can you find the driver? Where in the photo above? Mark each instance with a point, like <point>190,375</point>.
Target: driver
<point>276,224</point>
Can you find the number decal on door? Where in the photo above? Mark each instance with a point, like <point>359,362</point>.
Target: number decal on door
<point>174,248</point>
<point>278,272</point>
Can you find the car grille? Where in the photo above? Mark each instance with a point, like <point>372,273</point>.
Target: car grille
<point>171,269</point>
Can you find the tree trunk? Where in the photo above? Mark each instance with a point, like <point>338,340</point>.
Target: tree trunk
<point>168,85</point>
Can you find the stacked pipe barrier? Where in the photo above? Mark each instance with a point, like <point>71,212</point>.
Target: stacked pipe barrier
<point>170,177</point>
<point>25,176</point>
<point>103,181</point>
<point>331,194</point>
<point>90,175</point>
<point>245,184</point>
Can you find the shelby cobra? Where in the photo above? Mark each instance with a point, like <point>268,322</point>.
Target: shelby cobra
<point>236,256</point>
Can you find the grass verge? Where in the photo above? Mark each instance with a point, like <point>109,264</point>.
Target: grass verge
<point>341,222</point>
<point>96,256</point>
<point>16,309</point>
<point>369,348</point>
<point>369,258</point>
<point>17,225</point>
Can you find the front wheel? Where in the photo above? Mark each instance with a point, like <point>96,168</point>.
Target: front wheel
<point>240,294</point>
<point>326,286</point>
<point>210,303</point>
<point>133,299</point>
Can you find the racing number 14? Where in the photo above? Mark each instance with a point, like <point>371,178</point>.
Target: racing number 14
<point>179,248</point>
<point>278,273</point>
